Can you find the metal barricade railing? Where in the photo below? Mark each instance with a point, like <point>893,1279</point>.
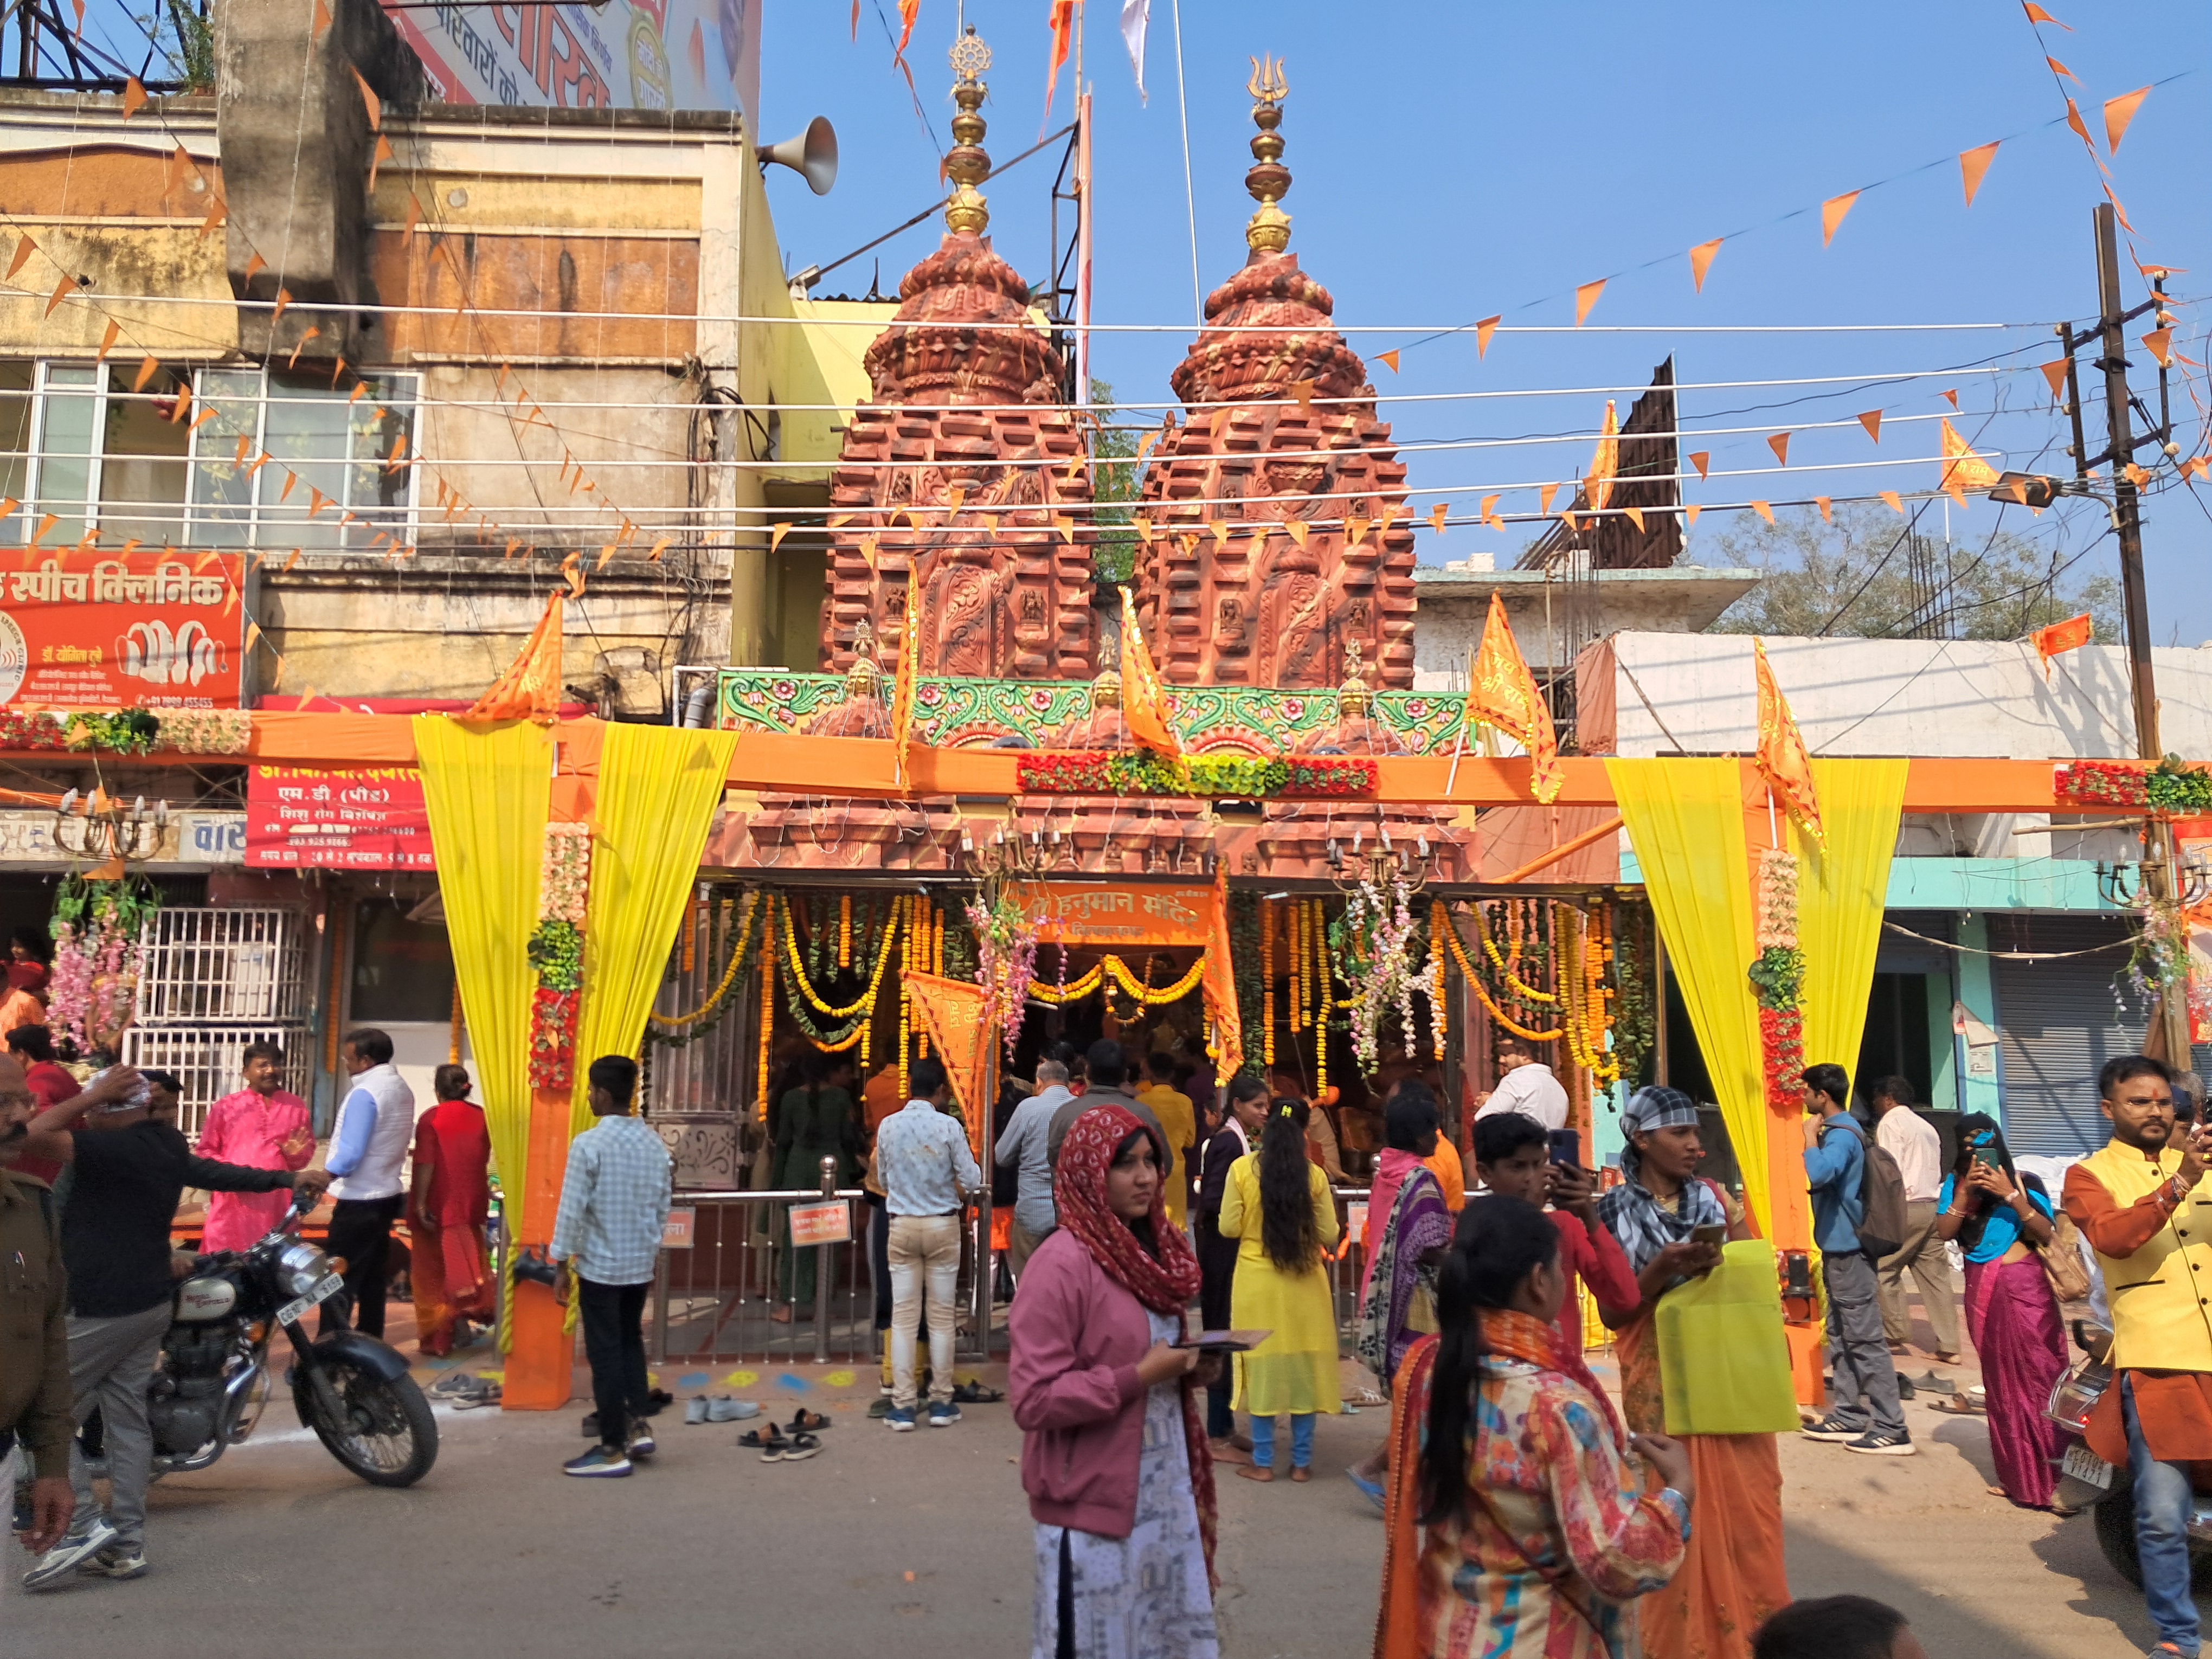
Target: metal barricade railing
<point>717,1301</point>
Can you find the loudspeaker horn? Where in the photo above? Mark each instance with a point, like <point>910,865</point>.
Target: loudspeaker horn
<point>812,156</point>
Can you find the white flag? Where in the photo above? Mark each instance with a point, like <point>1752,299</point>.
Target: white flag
<point>1135,16</point>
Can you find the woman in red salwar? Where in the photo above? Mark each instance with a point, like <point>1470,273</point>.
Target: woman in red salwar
<point>449,1264</point>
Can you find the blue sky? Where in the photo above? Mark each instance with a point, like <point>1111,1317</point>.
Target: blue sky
<point>1455,161</point>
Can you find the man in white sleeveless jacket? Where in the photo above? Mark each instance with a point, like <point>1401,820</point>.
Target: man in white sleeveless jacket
<point>368,1156</point>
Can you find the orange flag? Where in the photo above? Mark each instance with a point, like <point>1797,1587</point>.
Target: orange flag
<point>1832,214</point>
<point>1827,505</point>
<point>1701,260</point>
<point>1389,357</point>
<point>1605,465</point>
<point>1972,164</point>
<point>1893,500</point>
<point>1781,758</point>
<point>2118,111</point>
<point>2055,372</point>
<point>959,1016</point>
<point>134,96</point>
<point>907,681</point>
<point>1586,297</point>
<point>2037,14</point>
<point>1503,694</point>
<point>530,687</point>
<point>1963,469</point>
<point>1764,509</point>
<point>1217,984</point>
<point>1483,331</point>
<point>1872,421</point>
<point>2067,635</point>
<point>1779,443</point>
<point>2159,343</point>
<point>1544,497</point>
<point>1144,699</point>
<point>1062,24</point>
<point>1701,459</point>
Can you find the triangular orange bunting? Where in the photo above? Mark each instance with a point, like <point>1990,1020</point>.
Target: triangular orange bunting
<point>2159,343</point>
<point>1605,465</point>
<point>1764,509</point>
<point>1544,497</point>
<point>1893,500</point>
<point>1872,421</point>
<point>1779,443</point>
<point>1972,165</point>
<point>1144,699</point>
<point>2055,372</point>
<point>2118,111</point>
<point>1387,358</point>
<point>1483,331</point>
<point>1701,260</point>
<point>1832,214</point>
<point>1701,459</point>
<point>1827,504</point>
<point>530,687</point>
<point>1781,758</point>
<point>1586,297</point>
<point>1503,694</point>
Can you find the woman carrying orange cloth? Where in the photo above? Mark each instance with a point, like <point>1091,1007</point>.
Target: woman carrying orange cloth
<point>1733,1576</point>
<point>448,1264</point>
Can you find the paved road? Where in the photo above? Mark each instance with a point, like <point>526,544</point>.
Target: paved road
<point>919,1545</point>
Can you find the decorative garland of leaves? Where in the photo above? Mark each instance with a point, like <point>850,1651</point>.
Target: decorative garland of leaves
<point>1235,777</point>
<point>1778,980</point>
<point>127,732</point>
<point>2169,787</point>
<point>1244,962</point>
<point>1635,1014</point>
<point>556,954</point>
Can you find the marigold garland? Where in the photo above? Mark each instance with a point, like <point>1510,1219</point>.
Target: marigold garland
<point>1242,777</point>
<point>673,1028</point>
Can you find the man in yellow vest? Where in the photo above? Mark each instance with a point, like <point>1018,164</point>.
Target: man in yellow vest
<point>2144,1204</point>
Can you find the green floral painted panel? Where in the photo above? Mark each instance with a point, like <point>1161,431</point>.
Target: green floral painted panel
<point>971,713</point>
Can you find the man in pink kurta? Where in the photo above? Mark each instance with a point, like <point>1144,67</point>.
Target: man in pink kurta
<point>262,1127</point>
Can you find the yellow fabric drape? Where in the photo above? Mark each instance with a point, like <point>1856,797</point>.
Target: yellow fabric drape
<point>1841,891</point>
<point>1685,819</point>
<point>488,791</point>
<point>659,786</point>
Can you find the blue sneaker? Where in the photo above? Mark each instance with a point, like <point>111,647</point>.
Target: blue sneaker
<point>899,1419</point>
<point>1371,1490</point>
<point>943,1414</point>
<point>600,1460</point>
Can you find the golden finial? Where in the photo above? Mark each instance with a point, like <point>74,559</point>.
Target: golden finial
<point>1269,180</point>
<point>1106,690</point>
<point>966,164</point>
<point>865,677</point>
<point>1355,696</point>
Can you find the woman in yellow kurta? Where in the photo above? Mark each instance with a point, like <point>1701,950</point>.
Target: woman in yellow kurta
<point>1277,1203</point>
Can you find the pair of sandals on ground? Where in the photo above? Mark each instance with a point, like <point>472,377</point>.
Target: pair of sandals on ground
<point>793,1443</point>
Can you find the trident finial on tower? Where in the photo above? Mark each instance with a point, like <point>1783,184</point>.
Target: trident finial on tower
<point>1269,180</point>
<point>967,164</point>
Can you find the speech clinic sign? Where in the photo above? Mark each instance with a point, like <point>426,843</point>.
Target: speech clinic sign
<point>624,54</point>
<point>302,818</point>
<point>89,630</point>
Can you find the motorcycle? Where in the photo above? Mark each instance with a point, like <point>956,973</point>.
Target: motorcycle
<point>2087,1481</point>
<point>209,1391</point>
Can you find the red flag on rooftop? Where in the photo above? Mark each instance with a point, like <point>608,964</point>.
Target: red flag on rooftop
<point>1781,756</point>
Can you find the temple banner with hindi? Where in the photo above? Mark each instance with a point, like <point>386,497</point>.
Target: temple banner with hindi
<point>129,629</point>
<point>1087,913</point>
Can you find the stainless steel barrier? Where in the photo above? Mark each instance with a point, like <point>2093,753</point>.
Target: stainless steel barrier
<point>735,1294</point>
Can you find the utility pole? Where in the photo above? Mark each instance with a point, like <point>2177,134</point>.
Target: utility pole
<point>2162,876</point>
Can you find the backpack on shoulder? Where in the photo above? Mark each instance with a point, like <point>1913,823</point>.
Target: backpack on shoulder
<point>1881,1229</point>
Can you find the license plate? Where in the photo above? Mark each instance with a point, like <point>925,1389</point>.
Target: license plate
<point>292,1312</point>
<point>2085,1466</point>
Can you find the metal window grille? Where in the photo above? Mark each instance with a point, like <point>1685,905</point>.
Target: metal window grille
<point>223,965</point>
<point>206,1059</point>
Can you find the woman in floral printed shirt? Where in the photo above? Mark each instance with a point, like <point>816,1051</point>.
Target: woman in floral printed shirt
<point>1518,1525</point>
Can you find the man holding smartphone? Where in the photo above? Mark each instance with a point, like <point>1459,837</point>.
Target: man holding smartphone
<point>2143,1204</point>
<point>1865,1416</point>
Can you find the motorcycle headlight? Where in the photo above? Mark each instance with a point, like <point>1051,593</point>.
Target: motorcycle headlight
<point>300,1267</point>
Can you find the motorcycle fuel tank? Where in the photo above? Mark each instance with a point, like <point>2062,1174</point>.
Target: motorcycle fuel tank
<point>202,1299</point>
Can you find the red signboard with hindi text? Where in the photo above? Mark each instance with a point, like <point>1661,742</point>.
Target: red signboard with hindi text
<point>300,817</point>
<point>82,628</point>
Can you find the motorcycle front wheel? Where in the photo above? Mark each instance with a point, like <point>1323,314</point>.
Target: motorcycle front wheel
<point>386,1434</point>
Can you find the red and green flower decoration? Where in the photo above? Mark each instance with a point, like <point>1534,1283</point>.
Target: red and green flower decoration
<point>1233,777</point>
<point>1778,980</point>
<point>2169,787</point>
<point>556,955</point>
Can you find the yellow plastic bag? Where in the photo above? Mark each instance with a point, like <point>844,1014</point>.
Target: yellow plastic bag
<point>1723,1360</point>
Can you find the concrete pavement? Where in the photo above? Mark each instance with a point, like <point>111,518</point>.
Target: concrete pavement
<point>919,1545</point>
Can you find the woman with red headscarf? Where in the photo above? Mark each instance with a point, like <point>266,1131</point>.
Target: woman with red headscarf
<point>1119,1482</point>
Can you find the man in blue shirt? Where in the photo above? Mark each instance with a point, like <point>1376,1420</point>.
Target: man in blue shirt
<point>1858,1351</point>
<point>923,1161</point>
<point>614,1208</point>
<point>1024,1144</point>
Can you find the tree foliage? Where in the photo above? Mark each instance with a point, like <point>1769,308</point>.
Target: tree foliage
<point>1870,575</point>
<point>1115,472</point>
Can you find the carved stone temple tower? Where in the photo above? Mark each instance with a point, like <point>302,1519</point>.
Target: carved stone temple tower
<point>1277,507</point>
<point>958,474</point>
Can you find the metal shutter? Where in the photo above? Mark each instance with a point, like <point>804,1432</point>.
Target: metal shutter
<point>2057,1024</point>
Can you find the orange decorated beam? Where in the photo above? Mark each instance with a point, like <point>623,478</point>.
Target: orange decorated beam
<point>789,763</point>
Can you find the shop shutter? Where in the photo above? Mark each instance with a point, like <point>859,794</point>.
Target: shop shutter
<point>2057,1024</point>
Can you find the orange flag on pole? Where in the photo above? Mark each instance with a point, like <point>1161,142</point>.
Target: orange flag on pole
<point>1503,694</point>
<point>1781,756</point>
<point>2069,635</point>
<point>530,687</point>
<point>903,683</point>
<point>958,1017</point>
<point>1605,465</point>
<point>1963,469</point>
<point>1144,699</point>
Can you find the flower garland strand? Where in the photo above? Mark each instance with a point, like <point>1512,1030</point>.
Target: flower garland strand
<point>1778,980</point>
<point>556,954</point>
<point>675,1030</point>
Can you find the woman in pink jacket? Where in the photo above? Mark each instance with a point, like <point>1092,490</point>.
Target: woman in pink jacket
<point>1119,1482</point>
